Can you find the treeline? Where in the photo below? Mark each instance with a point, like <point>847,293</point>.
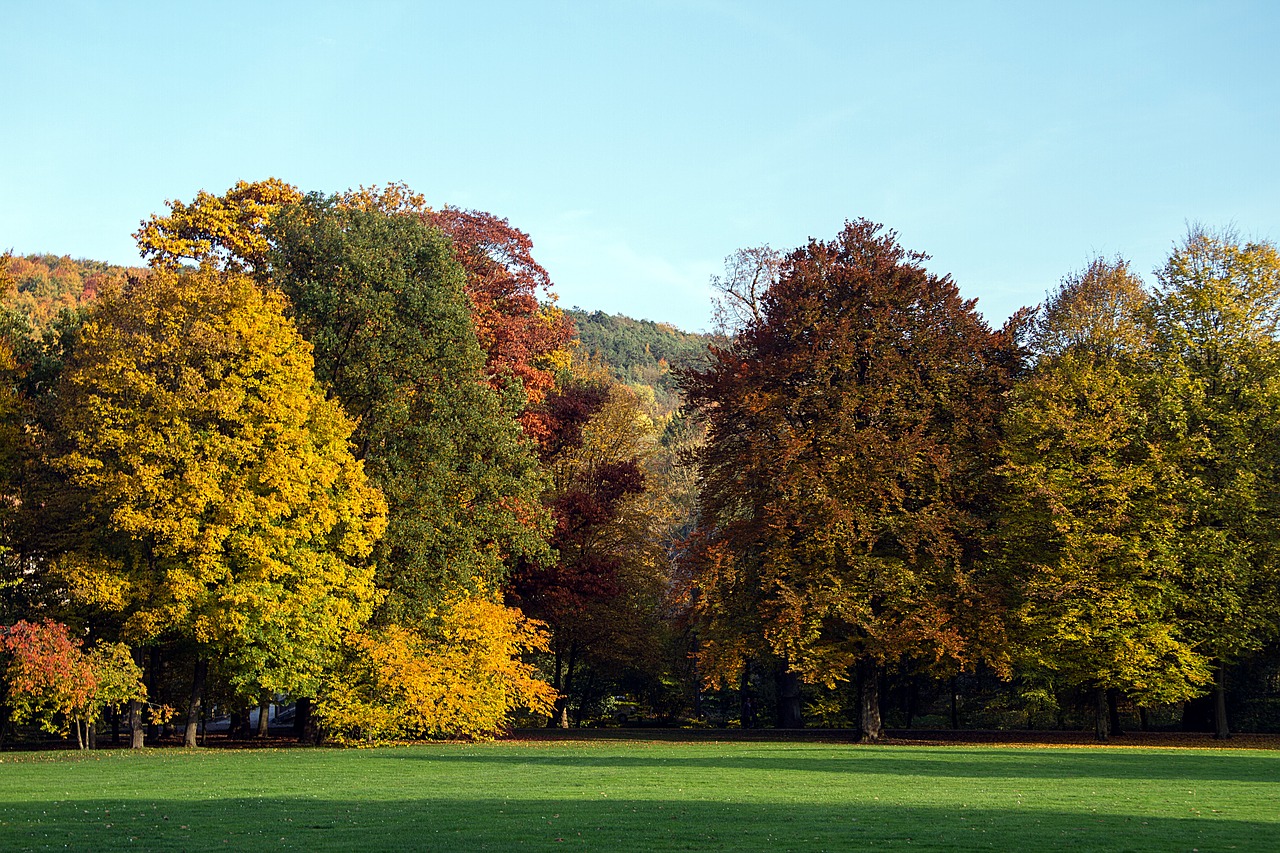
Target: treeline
<point>331,450</point>
<point>1082,503</point>
<point>343,452</point>
<point>43,286</point>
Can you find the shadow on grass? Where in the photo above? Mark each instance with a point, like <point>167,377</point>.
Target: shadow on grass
<point>951,763</point>
<point>590,824</point>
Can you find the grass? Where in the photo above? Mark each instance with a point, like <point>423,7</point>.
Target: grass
<point>643,796</point>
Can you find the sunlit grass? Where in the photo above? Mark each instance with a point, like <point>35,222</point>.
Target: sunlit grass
<point>642,796</point>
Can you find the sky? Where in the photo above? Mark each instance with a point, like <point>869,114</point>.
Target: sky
<point>641,143</point>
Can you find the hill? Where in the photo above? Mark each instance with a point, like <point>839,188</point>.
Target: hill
<point>641,352</point>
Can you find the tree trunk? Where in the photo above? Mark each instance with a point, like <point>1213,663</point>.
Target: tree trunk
<point>561,717</point>
<point>196,707</point>
<point>869,671</point>
<point>136,732</point>
<point>1144,720</point>
<point>304,722</point>
<point>559,713</point>
<point>1220,728</point>
<point>1113,711</point>
<point>746,702</point>
<point>1101,719</point>
<point>155,672</point>
<point>955,704</point>
<point>789,716</point>
<point>264,715</point>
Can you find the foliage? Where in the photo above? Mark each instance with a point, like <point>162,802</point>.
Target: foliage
<point>382,301</point>
<point>1217,317</point>
<point>458,675</point>
<point>851,438</point>
<point>641,353</point>
<point>225,505</point>
<point>524,340</point>
<point>1090,504</point>
<point>50,680</point>
<point>43,286</point>
<point>226,231</point>
<point>602,592</point>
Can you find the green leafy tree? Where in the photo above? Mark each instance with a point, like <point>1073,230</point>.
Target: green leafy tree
<point>222,505</point>
<point>1089,499</point>
<point>382,299</point>
<point>851,442</point>
<point>1217,311</point>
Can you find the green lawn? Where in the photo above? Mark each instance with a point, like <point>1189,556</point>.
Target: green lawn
<point>643,796</point>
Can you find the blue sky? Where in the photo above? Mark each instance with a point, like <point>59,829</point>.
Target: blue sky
<point>641,143</point>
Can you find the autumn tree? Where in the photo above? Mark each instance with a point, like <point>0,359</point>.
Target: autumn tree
<point>223,507</point>
<point>459,673</point>
<point>226,231</point>
<point>49,679</point>
<point>1090,503</point>
<point>602,588</point>
<point>851,439</point>
<point>1217,310</point>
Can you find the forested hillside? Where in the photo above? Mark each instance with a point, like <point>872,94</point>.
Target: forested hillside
<point>44,285</point>
<point>642,352</point>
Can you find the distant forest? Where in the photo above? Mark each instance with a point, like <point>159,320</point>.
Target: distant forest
<point>642,353</point>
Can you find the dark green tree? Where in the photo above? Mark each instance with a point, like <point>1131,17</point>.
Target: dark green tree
<point>382,300</point>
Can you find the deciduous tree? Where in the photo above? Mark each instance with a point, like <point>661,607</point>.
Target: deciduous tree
<point>852,435</point>
<point>1217,312</point>
<point>225,507</point>
<point>381,298</point>
<point>1090,502</point>
<point>600,592</point>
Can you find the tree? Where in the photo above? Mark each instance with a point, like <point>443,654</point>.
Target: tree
<point>1089,499</point>
<point>226,232</point>
<point>225,507</point>
<point>381,299</point>
<point>602,588</point>
<point>748,275</point>
<point>459,675</point>
<point>524,338</point>
<point>851,439</point>
<point>51,681</point>
<point>1217,311</point>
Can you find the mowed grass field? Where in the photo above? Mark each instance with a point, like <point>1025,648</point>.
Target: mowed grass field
<point>616,795</point>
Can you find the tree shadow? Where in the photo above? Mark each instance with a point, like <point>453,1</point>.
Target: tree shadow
<point>923,762</point>
<point>484,823</point>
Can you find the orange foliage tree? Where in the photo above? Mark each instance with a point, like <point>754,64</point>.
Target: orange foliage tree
<point>50,679</point>
<point>852,440</point>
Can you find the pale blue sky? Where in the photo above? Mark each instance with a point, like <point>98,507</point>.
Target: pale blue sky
<point>640,143</point>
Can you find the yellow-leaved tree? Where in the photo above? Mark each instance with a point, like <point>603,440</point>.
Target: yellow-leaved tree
<point>222,505</point>
<point>459,674</point>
